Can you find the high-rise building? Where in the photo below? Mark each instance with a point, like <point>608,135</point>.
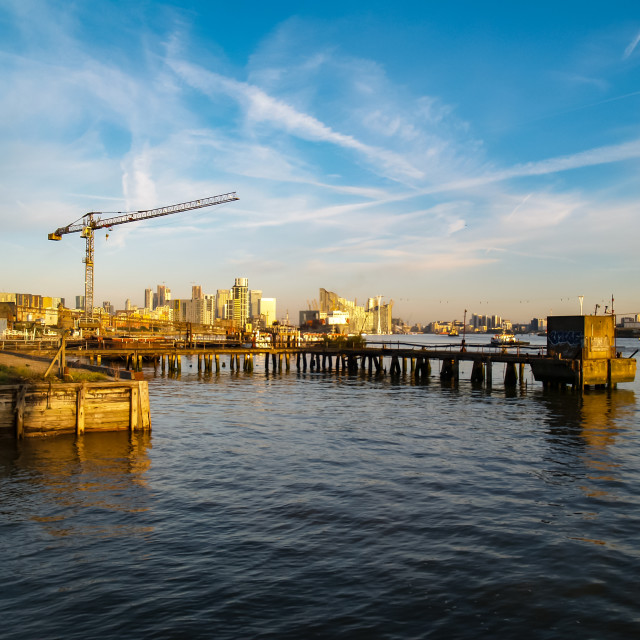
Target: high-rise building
<point>162,295</point>
<point>79,302</point>
<point>148,299</point>
<point>127,305</point>
<point>223,296</point>
<point>240,300</point>
<point>196,292</point>
<point>268,311</point>
<point>254,303</point>
<point>209,309</point>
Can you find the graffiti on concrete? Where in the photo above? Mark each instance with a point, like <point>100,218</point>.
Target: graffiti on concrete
<point>571,338</point>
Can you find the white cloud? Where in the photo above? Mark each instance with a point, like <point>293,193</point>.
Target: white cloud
<point>263,108</point>
<point>631,47</point>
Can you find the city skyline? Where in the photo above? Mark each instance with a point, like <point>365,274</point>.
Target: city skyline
<point>484,158</point>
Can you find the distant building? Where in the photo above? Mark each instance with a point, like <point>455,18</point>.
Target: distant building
<point>223,307</point>
<point>80,302</point>
<point>255,296</point>
<point>196,292</point>
<point>148,299</point>
<point>162,296</point>
<point>240,301</point>
<point>374,318</point>
<point>309,318</point>
<point>267,311</point>
<point>538,324</point>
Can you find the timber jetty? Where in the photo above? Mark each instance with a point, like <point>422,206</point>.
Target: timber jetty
<point>580,352</point>
<point>43,409</point>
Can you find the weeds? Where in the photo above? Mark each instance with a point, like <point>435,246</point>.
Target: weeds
<point>20,375</point>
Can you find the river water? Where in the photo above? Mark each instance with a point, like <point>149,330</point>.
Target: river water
<point>323,505</point>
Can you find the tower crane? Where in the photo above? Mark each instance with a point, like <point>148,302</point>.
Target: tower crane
<point>93,220</point>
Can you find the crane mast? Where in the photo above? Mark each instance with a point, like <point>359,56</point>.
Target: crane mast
<point>92,221</point>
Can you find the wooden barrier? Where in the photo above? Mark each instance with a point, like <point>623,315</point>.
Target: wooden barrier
<point>43,409</point>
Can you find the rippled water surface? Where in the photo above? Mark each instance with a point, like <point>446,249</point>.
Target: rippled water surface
<point>332,506</point>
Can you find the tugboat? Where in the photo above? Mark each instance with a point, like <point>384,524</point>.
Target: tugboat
<point>504,339</point>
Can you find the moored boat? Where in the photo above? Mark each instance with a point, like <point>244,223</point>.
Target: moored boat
<point>503,339</point>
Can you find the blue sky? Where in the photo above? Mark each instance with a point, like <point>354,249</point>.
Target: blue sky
<point>447,156</point>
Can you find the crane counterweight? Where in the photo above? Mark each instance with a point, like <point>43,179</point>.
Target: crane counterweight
<point>89,223</point>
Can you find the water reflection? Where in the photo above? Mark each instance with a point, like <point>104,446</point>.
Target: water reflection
<point>67,484</point>
<point>587,429</point>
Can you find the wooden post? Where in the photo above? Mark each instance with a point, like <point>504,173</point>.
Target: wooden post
<point>217,363</point>
<point>81,393</point>
<point>20,405</point>
<point>488,367</point>
<point>98,360</point>
<point>145,417</point>
<point>63,358</point>
<point>199,362</point>
<point>162,365</point>
<point>287,362</point>
<point>521,372</point>
<point>510,375</point>
<point>280,362</point>
<point>477,372</point>
<point>133,411</point>
<point>447,369</point>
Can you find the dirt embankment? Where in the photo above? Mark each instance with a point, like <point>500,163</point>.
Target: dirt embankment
<point>10,360</point>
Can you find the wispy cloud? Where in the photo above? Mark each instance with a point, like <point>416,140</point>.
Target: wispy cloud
<point>263,108</point>
<point>631,47</point>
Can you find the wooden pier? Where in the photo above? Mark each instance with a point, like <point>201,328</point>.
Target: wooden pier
<point>420,363</point>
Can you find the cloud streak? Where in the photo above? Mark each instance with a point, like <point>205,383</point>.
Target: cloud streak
<point>631,47</point>
<point>263,108</point>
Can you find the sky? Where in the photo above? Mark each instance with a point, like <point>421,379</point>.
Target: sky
<point>445,156</point>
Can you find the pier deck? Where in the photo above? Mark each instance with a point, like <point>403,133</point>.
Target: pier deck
<point>380,359</point>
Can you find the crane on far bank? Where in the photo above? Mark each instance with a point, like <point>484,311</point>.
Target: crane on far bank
<point>92,221</point>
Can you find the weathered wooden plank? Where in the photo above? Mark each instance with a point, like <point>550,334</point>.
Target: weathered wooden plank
<point>145,411</point>
<point>82,392</point>
<point>134,409</point>
<point>20,404</point>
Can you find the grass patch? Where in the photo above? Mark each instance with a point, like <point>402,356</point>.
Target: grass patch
<point>17,375</point>
<point>78,375</point>
<point>20,375</point>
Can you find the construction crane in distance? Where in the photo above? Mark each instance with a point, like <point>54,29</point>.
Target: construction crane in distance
<point>90,222</point>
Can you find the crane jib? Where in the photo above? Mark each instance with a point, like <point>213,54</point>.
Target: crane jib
<point>134,216</point>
